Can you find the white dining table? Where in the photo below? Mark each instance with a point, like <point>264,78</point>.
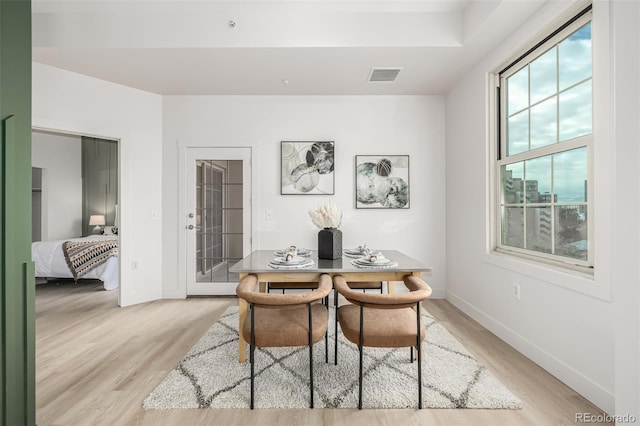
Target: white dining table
<point>257,263</point>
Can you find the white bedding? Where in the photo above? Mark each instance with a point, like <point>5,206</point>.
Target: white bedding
<point>50,262</point>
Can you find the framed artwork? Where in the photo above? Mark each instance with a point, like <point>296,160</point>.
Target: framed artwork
<point>307,168</point>
<point>382,181</point>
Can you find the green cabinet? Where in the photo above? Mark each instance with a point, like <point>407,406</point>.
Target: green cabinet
<point>17,283</point>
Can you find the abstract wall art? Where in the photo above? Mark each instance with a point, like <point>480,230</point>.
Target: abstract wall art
<point>307,168</point>
<point>382,181</point>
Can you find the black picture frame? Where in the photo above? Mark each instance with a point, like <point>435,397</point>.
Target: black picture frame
<point>307,168</point>
<point>382,182</point>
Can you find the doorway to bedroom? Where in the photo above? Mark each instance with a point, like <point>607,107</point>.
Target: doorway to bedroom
<point>75,182</point>
<point>217,223</point>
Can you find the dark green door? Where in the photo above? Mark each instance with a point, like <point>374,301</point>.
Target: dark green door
<point>17,286</point>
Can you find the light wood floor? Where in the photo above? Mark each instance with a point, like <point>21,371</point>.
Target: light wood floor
<point>96,363</point>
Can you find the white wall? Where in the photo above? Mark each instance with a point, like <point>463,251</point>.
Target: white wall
<point>412,125</point>
<point>72,103</point>
<point>60,158</point>
<point>626,206</point>
<point>564,323</point>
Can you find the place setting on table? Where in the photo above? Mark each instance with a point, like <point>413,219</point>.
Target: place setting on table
<point>359,251</point>
<point>364,257</point>
<point>291,257</point>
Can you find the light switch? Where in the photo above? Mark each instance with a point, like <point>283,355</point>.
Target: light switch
<point>268,214</point>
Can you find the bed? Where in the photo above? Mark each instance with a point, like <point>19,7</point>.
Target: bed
<point>51,262</point>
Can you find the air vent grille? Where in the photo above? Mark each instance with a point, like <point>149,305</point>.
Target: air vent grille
<point>383,75</point>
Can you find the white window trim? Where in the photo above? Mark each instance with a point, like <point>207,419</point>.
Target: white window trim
<point>567,272</point>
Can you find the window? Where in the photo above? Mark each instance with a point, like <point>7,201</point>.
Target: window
<point>544,138</point>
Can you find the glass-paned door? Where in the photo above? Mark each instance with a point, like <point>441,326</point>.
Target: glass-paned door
<point>218,219</point>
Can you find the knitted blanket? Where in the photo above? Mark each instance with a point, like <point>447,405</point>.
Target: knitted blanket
<point>83,256</point>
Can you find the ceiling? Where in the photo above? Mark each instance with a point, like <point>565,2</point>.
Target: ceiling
<point>262,47</point>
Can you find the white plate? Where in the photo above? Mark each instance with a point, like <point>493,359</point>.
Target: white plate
<point>301,252</point>
<point>297,260</point>
<point>357,253</point>
<point>306,264</point>
<point>369,265</point>
<point>365,261</point>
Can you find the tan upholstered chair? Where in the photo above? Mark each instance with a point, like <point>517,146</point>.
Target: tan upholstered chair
<point>364,285</point>
<point>277,320</point>
<point>300,286</point>
<point>384,320</point>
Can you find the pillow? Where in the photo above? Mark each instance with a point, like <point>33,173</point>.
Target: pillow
<point>110,230</point>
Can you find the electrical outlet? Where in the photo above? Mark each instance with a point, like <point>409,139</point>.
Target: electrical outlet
<point>516,290</point>
<point>134,264</point>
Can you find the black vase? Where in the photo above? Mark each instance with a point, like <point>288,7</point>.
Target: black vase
<point>330,243</point>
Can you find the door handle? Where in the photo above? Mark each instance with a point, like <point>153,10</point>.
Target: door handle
<point>191,227</point>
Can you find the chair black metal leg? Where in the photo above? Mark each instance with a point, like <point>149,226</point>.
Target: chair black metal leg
<point>326,345</point>
<point>335,331</point>
<point>310,354</point>
<point>361,350</point>
<point>419,357</point>
<point>251,352</point>
<point>411,354</point>
<point>326,333</point>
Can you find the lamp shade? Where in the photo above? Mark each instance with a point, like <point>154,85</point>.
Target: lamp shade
<point>96,219</point>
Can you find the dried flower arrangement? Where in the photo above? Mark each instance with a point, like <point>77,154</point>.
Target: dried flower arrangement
<point>327,216</point>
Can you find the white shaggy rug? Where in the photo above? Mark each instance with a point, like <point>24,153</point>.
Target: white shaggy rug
<point>210,376</point>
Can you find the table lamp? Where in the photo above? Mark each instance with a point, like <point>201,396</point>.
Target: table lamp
<point>98,220</point>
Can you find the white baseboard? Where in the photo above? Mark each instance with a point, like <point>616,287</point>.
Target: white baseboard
<point>592,391</point>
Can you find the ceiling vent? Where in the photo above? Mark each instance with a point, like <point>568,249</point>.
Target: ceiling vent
<point>383,75</point>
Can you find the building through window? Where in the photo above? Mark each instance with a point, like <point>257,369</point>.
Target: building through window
<point>544,139</point>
